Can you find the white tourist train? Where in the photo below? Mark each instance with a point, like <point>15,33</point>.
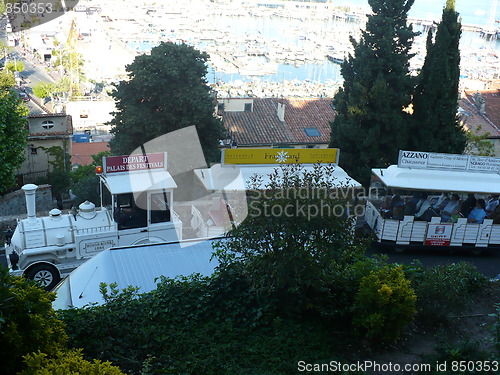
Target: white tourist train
<point>43,248</point>
<point>435,173</point>
<point>140,208</point>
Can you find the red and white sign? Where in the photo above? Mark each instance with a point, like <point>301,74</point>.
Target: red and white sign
<point>439,234</point>
<point>131,163</point>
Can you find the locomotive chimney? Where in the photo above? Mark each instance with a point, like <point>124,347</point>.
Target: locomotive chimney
<point>29,191</point>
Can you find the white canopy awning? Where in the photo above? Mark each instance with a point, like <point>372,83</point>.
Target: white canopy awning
<point>439,180</point>
<point>234,177</point>
<point>135,182</point>
<point>138,266</point>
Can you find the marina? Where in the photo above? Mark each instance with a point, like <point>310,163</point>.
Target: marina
<point>268,48</point>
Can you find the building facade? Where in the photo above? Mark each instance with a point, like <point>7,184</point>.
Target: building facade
<point>45,131</point>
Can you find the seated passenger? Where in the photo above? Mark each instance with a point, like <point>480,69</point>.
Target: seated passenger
<point>450,209</point>
<point>468,205</point>
<point>396,207</point>
<point>398,212</point>
<point>478,214</point>
<point>495,215</point>
<point>441,203</point>
<point>411,205</point>
<point>385,208</point>
<point>424,207</point>
<point>491,205</point>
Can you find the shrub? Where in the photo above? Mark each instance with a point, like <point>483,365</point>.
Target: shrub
<point>27,321</point>
<point>463,357</point>
<point>384,305</point>
<point>295,228</point>
<point>68,362</point>
<point>496,326</point>
<point>443,290</point>
<point>343,280</point>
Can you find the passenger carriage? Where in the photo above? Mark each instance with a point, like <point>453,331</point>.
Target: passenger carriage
<point>433,172</point>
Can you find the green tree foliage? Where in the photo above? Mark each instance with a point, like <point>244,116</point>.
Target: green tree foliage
<point>51,89</point>
<point>43,89</point>
<point>59,177</point>
<point>479,144</point>
<point>72,62</point>
<point>15,66</point>
<point>371,122</point>
<point>27,321</point>
<point>66,362</point>
<point>166,91</point>
<point>85,183</point>
<point>7,79</point>
<point>435,125</point>
<point>297,225</point>
<point>13,133</point>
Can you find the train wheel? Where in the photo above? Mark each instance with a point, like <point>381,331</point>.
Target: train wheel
<point>477,251</point>
<point>399,249</point>
<point>46,275</point>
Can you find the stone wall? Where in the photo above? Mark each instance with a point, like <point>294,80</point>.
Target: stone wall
<point>13,207</point>
<point>14,204</point>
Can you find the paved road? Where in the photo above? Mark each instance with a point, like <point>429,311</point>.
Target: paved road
<point>487,263</point>
<point>32,72</point>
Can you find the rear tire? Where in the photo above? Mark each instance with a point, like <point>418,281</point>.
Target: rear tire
<point>46,275</point>
<point>399,249</point>
<point>477,251</point>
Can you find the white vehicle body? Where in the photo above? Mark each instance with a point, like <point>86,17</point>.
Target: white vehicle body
<point>437,173</point>
<point>141,209</point>
<point>44,248</point>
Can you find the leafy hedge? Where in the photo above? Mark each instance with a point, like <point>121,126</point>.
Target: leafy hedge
<point>195,325</point>
<point>27,321</point>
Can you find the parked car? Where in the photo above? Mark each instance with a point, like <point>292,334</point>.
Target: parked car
<point>24,96</point>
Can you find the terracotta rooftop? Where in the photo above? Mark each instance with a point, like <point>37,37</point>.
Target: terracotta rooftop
<point>43,115</point>
<point>487,122</point>
<point>307,121</point>
<point>82,152</point>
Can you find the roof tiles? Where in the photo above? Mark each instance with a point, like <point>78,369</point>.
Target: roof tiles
<point>263,127</point>
<point>487,122</point>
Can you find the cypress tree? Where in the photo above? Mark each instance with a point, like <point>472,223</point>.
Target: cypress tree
<point>371,123</point>
<point>435,125</point>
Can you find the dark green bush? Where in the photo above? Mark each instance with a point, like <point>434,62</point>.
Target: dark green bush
<point>27,321</point>
<point>466,354</point>
<point>444,290</point>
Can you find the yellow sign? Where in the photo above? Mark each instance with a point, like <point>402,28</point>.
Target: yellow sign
<point>279,155</point>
